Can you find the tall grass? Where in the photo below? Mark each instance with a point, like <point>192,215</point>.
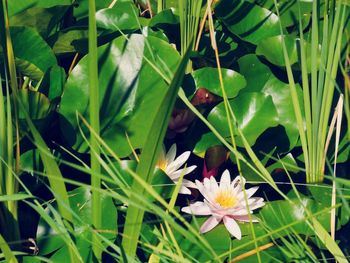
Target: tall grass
<point>189,14</point>
<point>8,183</point>
<point>318,89</point>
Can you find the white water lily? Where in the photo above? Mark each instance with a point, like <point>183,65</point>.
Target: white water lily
<point>171,167</point>
<point>224,202</point>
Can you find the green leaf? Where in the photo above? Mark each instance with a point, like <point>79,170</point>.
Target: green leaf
<point>255,72</point>
<point>255,112</point>
<point>53,82</point>
<point>277,214</point>
<point>128,86</point>
<point>260,78</point>
<point>289,11</point>
<point>207,140</point>
<point>123,16</point>
<point>280,93</point>
<point>82,6</point>
<point>36,104</point>
<point>271,49</point>
<point>66,42</point>
<point>15,7</point>
<point>33,55</point>
<point>41,19</point>
<point>163,18</point>
<point>248,21</point>
<point>209,78</point>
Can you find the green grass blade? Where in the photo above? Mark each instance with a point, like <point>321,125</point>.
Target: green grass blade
<point>149,157</point>
<point>6,250</point>
<point>95,124</point>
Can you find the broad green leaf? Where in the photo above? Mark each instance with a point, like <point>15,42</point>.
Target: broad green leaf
<point>81,7</point>
<point>260,78</point>
<point>165,17</point>
<point>209,78</point>
<point>248,21</point>
<point>41,19</point>
<point>281,213</point>
<point>123,16</point>
<point>207,140</point>
<point>255,112</point>
<point>221,240</point>
<point>66,42</point>
<point>15,7</point>
<point>280,93</point>
<point>255,72</point>
<point>289,10</point>
<point>128,86</point>
<point>271,49</point>
<point>33,55</point>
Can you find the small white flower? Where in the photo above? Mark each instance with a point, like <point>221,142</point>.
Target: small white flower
<point>224,203</point>
<point>169,165</point>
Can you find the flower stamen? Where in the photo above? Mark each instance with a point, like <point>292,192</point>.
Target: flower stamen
<point>226,199</point>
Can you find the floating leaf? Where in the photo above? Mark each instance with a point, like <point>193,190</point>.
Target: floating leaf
<point>255,112</point>
<point>209,78</point>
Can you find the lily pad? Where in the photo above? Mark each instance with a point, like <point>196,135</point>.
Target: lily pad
<point>254,112</point>
<point>260,78</point>
<point>209,78</point>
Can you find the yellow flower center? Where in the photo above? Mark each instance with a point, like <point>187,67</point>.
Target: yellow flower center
<point>226,199</point>
<point>162,164</point>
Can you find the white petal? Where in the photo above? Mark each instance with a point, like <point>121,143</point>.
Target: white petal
<point>206,183</point>
<point>198,208</point>
<point>257,204</point>
<point>232,227</point>
<point>209,224</point>
<point>184,190</point>
<point>179,161</point>
<point>184,171</point>
<point>213,185</point>
<point>249,192</point>
<point>206,193</point>
<point>189,183</point>
<point>225,179</point>
<point>170,156</point>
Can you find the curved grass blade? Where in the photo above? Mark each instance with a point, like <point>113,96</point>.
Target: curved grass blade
<point>149,157</point>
